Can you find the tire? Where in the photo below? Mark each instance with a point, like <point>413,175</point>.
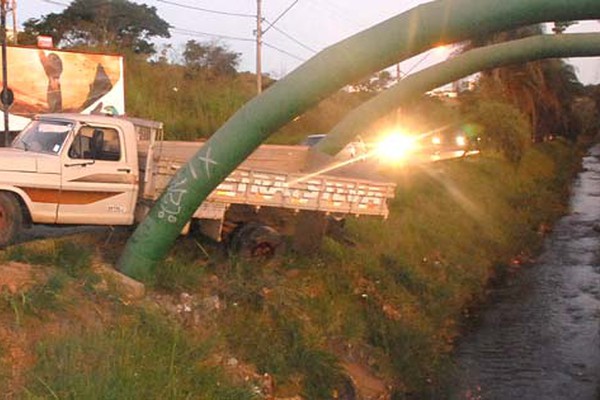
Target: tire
<point>11,219</point>
<point>257,241</point>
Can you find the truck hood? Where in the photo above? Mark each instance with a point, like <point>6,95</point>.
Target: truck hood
<point>18,160</point>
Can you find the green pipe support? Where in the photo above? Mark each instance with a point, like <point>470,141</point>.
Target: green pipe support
<point>396,39</point>
<point>516,51</point>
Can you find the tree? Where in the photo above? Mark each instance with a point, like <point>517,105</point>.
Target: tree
<point>213,58</point>
<point>374,83</point>
<point>503,128</point>
<point>558,117</point>
<point>543,89</point>
<point>118,24</point>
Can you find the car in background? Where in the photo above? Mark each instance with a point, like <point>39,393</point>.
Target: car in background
<point>312,140</point>
<point>353,149</point>
<point>451,144</point>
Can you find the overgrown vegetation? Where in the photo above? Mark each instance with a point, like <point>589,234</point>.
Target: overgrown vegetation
<point>395,300</point>
<point>140,357</point>
<point>73,258</point>
<point>86,343</point>
<point>389,298</point>
<point>47,294</point>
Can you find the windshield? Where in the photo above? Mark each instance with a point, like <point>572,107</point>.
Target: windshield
<point>43,136</point>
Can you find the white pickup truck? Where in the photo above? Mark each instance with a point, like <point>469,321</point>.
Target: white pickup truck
<point>100,170</point>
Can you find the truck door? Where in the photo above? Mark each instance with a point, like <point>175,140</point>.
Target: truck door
<point>98,185</point>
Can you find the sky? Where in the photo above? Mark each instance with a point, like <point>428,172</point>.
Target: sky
<point>301,28</point>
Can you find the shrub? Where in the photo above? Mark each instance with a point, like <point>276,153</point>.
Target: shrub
<point>505,128</point>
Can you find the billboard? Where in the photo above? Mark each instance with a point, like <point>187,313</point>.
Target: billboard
<point>49,80</point>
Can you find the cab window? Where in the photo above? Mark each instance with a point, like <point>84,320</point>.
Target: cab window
<point>96,143</point>
<point>43,136</point>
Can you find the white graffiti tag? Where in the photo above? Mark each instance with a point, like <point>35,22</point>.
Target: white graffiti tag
<point>170,204</point>
<point>207,160</point>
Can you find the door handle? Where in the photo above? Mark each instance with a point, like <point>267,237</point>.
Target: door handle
<point>81,164</point>
<point>127,170</point>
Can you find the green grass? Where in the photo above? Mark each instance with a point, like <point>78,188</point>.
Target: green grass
<point>36,300</point>
<point>115,352</point>
<point>73,261</point>
<point>276,343</point>
<point>403,289</point>
<point>393,302</point>
<point>195,107</point>
<point>177,275</point>
<point>73,258</point>
<point>142,357</point>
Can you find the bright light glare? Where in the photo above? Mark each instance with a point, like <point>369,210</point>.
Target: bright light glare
<point>436,140</point>
<point>442,50</point>
<point>396,147</point>
<point>461,141</point>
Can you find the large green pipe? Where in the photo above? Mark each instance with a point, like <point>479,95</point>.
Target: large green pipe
<point>470,62</point>
<point>376,48</point>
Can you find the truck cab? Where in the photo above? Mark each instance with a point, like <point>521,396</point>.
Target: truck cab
<point>72,169</point>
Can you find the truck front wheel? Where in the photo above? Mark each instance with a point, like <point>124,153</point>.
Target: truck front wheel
<point>11,219</point>
<point>257,241</point>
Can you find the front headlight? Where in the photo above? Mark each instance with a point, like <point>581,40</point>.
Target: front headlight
<point>461,141</point>
<point>396,147</point>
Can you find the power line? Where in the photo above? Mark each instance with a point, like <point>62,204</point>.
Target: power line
<point>193,33</point>
<point>292,39</point>
<point>280,16</point>
<point>231,14</point>
<point>271,24</point>
<point>190,32</point>
<point>283,51</point>
<point>56,3</point>
<point>425,56</point>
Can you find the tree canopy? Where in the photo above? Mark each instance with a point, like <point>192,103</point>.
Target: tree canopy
<point>118,24</point>
<point>542,89</point>
<point>213,58</point>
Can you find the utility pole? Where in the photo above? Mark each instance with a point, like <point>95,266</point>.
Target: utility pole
<point>4,69</point>
<point>258,47</point>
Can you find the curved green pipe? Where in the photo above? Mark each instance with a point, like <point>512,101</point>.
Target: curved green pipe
<point>389,42</point>
<point>470,62</point>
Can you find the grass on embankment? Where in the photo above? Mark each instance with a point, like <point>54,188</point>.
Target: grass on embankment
<point>65,334</point>
<point>392,303</point>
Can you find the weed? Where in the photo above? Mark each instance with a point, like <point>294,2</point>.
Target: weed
<point>276,343</point>
<point>73,258</point>
<point>142,357</point>
<point>176,275</point>
<point>398,294</point>
<point>36,299</point>
<point>27,254</point>
<point>46,296</point>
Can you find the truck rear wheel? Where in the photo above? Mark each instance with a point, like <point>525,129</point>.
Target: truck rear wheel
<point>254,240</point>
<point>11,219</point>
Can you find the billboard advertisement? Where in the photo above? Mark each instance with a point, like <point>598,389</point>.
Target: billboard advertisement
<point>54,81</point>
